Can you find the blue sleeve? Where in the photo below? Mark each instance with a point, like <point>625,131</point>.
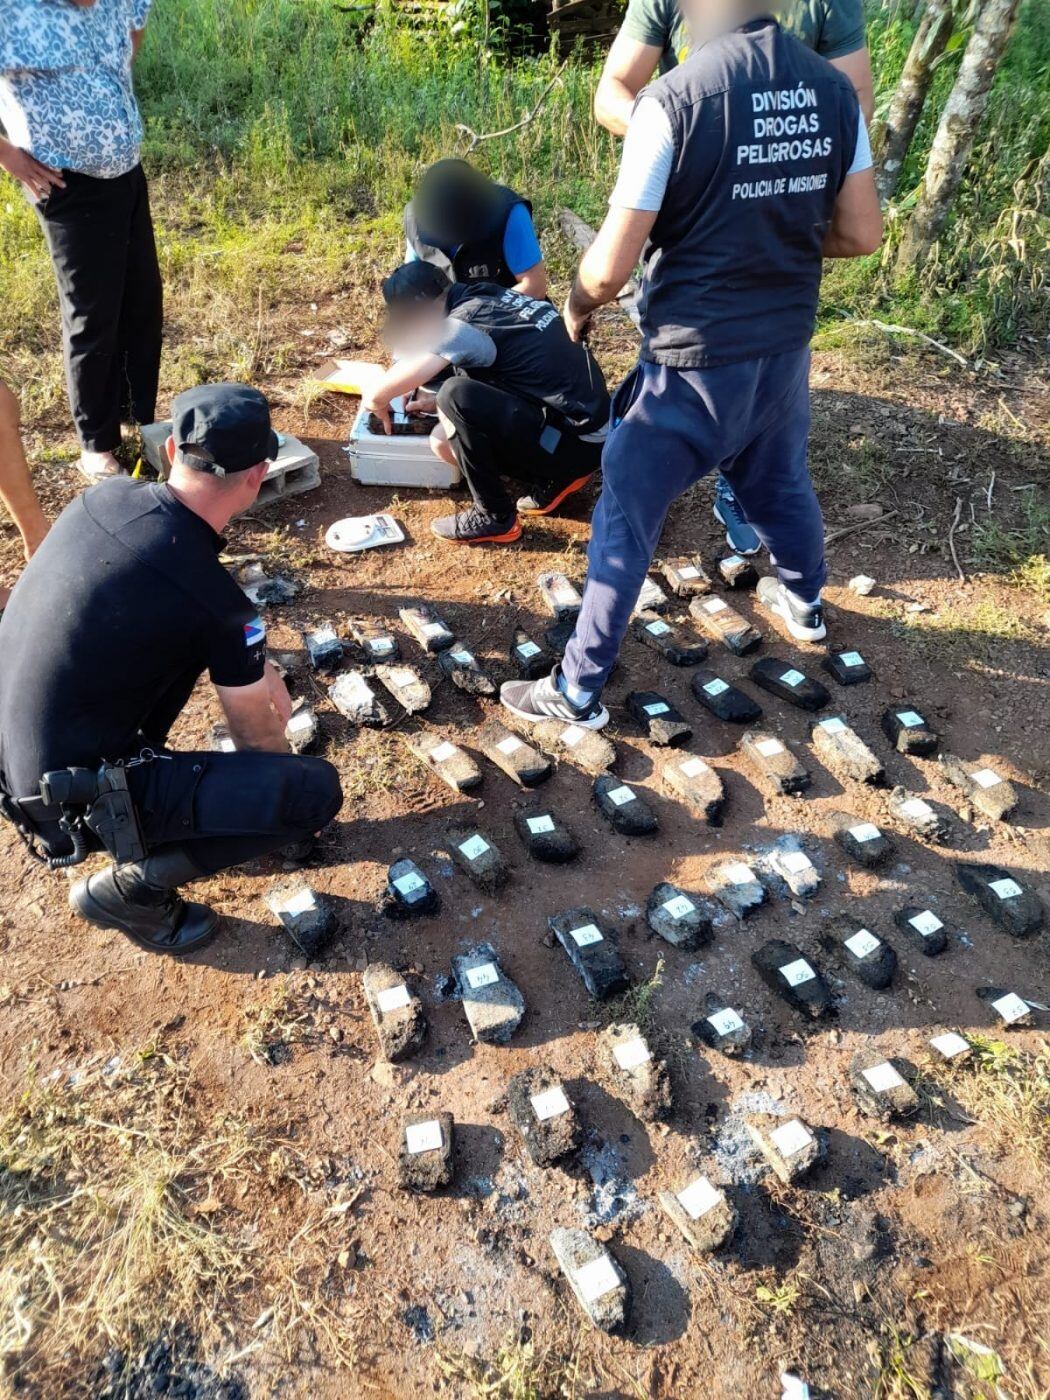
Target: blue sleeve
<point>521,247</point>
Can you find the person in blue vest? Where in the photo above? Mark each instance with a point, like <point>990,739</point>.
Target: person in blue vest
<point>742,169</point>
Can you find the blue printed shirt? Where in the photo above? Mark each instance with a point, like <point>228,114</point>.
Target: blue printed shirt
<point>66,94</point>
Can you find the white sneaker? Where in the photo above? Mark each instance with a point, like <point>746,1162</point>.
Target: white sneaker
<point>805,621</point>
<point>96,466</point>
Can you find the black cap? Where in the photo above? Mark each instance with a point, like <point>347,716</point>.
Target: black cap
<point>414,282</point>
<point>223,428</point>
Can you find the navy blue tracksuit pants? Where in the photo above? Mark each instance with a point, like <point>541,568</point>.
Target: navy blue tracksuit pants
<point>671,427</point>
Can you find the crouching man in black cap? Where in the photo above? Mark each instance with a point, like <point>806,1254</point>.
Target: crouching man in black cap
<point>116,616</point>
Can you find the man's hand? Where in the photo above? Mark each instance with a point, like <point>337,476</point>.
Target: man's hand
<point>256,714</point>
<point>279,697</point>
<point>576,324</point>
<point>36,178</point>
<point>422,402</point>
<point>380,406</point>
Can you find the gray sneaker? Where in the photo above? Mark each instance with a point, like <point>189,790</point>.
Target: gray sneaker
<point>536,700</point>
<point>805,621</point>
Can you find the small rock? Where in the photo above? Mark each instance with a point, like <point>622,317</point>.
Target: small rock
<point>446,759</point>
<point>880,1086</point>
<point>722,1027</point>
<point>528,656</point>
<point>1004,899</point>
<point>406,686</point>
<point>789,1146</point>
<point>789,683</point>
<point>793,977</point>
<point>697,784</point>
<point>492,1003</point>
<point>427,628</point>
<point>685,576</point>
<point>397,1012</point>
<point>465,671</point>
<point>776,765</point>
<point>560,596</point>
<point>844,753</point>
<point>865,954</point>
<point>520,761</point>
<point>409,893</point>
<point>736,885</point>
<point>302,731</point>
<point>377,643</point>
<point>861,585</point>
<point>847,667</point>
<point>863,842</point>
<point>657,718</point>
<point>922,928</point>
<point>355,699</point>
<point>702,1212</point>
<point>323,647</point>
<point>546,836</point>
<point>308,918</point>
<point>1011,1009</point>
<point>672,643</point>
<point>989,792</point>
<point>738,572</point>
<point>584,748</point>
<point>915,812</point>
<point>908,732</point>
<point>479,857</point>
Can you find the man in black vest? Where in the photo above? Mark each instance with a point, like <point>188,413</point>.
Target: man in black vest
<point>524,400</point>
<point>741,170</point>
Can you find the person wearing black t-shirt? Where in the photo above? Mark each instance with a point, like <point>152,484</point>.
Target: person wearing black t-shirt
<point>117,615</point>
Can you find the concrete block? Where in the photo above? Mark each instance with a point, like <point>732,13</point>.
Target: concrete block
<point>623,808</point>
<point>465,671</point>
<point>909,732</point>
<point>355,699</point>
<point>425,1158</point>
<point>789,1145</point>
<point>847,667</point>
<point>1012,1010</point>
<point>592,950</point>
<point>584,748</point>
<point>725,624</point>
<point>915,812</point>
<point>992,794</point>
<point>862,841</point>
<point>324,650</point>
<point>479,857</point>
<point>678,917</point>
<point>922,928</point>
<point>307,917</point>
<point>598,1282</point>
<point>294,469</point>
<point>788,683</point>
<point>520,761</point>
<point>735,885</point>
<point>640,1079</point>
<point>559,595</point>
<point>724,701</point>
<point>492,1003</point>
<point>409,893</point>
<point>446,759</point>
<point>397,1012</point>
<point>685,576</point>
<point>844,753</point>
<point>674,644</point>
<point>777,767</point>
<point>657,718</point>
<point>1009,903</point>
<point>796,870</point>
<point>702,1212</point>
<point>406,685</point>
<point>881,1087</point>
<point>545,835</point>
<point>854,946</point>
<point>697,784</point>
<point>303,730</point>
<point>788,972</point>
<point>722,1027</point>
<point>376,641</point>
<point>545,1116</point>
<point>528,657</point>
<point>428,629</point>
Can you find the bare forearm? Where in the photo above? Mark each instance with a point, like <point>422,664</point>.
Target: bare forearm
<point>405,376</point>
<point>613,105</point>
<point>260,738</point>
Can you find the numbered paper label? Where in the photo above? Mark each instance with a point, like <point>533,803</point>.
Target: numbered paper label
<point>303,720</point>
<point>620,796</point>
<point>726,1021</point>
<point>381,644</point>
<point>862,943</point>
<point>1006,889</point>
<point>688,571</point>
<point>851,658</point>
<point>474,847</point>
<point>527,649</point>
<point>462,658</point>
<point>302,902</point>
<point>1011,1008</point>
<point>571,735</point>
<point>393,998</point>
<point>323,637</point>
<point>657,628</point>
<point>916,807</point>
<point>714,605</point>
<point>482,976</point>
<point>835,725</point>
<point>410,884</point>
<point>797,972</point>
<point>679,906</point>
<point>737,873</point>
<point>597,1278</point>
<point>698,1198</point>
<point>986,778</point>
<point>716,687</point>
<point>768,747</point>
<point>883,1077</point>
<point>791,1138</point>
<point>539,826</point>
<point>693,767</point>
<point>443,751</point>
<point>865,831</point>
<point>926,923</point>
<point>631,1055</point>
<point>910,720</point>
<point>550,1103</point>
<point>585,936</point>
<point>658,707</point>
<point>792,678</point>
<point>794,862</point>
<point>423,1137</point>
<point>950,1044</point>
<point>509,745</point>
<point>433,629</point>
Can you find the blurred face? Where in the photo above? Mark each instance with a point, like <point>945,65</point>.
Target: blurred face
<point>410,327</point>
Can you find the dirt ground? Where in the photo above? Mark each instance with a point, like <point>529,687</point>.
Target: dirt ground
<point>853,1278</point>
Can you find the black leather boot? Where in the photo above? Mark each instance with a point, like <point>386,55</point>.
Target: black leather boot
<point>142,901</point>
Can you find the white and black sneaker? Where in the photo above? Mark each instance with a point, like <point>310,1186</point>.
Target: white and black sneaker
<point>544,699</point>
<point>805,621</point>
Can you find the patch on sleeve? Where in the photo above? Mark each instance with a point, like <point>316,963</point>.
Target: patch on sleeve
<point>254,632</point>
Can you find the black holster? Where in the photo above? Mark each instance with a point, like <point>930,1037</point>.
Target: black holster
<point>91,808</point>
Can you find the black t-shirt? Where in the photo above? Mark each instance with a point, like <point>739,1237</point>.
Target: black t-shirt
<point>118,613</point>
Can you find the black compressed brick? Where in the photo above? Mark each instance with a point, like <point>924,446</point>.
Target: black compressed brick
<point>657,718</point>
<point>638,1075</point>
<point>847,667</point>
<point>1011,1009</point>
<point>623,808</point>
<point>323,647</point>
<point>446,759</point>
<point>585,748</point>
<point>862,841</point>
<point>397,1012</point>
<point>560,596</point>
<point>697,784</point>
<point>725,624</point>
<point>788,683</point>
<point>989,791</point>
<point>528,656</point>
<point>492,1003</point>
<point>599,1284</point>
<point>738,572</point>
<point>308,918</point>
<point>778,767</point>
<point>909,732</point>
<point>844,753</point>
<point>556,637</point>
<point>520,761</point>
<point>303,730</point>
<point>1004,899</point>
<point>685,576</point>
<point>465,671</point>
<point>724,701</point>
<point>915,812</point>
<point>406,686</point>
<point>544,1115</point>
<point>679,917</point>
<point>428,628</point>
<point>923,928</point>
<point>722,1027</point>
<point>545,835</point>
<point>356,701</point>
<point>793,976</point>
<point>857,948</point>
<point>425,1158</point>
<point>672,643</point>
<point>592,951</point>
<point>408,893</point>
<point>477,855</point>
<point>377,643</point>
<point>881,1086</point>
<point>702,1212</point>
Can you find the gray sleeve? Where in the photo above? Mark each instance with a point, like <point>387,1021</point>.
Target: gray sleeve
<point>463,345</point>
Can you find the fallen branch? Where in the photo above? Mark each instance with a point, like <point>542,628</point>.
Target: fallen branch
<point>860,525</point>
<point>951,538</point>
<point>580,234</point>
<point>889,329</point>
<point>476,138</point>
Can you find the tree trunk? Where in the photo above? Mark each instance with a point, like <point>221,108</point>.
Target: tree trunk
<point>895,137</point>
<point>950,152</point>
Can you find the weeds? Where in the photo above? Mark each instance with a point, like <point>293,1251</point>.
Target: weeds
<point>638,1005</point>
<point>1008,1091</point>
<point>896,1378</point>
<point>273,1026</point>
<point>518,1370</point>
<point>782,1299</point>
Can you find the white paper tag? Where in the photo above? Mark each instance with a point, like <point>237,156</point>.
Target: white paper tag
<point>474,846</point>
<point>323,637</point>
<point>302,719</point>
<point>883,1077</point>
<point>926,923</point>
<point>950,1044</point>
<point>865,831</point>
<point>986,778</point>
<point>482,976</point>
<point>835,725</point>
<point>597,1278</point>
<point>433,629</point>
<point>571,735</point>
<point>380,644</point>
<point>731,561</point>
<point>658,707</point>
<point>393,998</point>
<point>527,649</point>
<point>442,752</point>
<point>539,826</point>
<point>688,571</point>
<point>698,1198</point>
<point>301,902</point>
<point>657,628</point>
<point>679,906</point>
<point>409,884</point>
<point>716,687</point>
<point>632,1054</point>
<point>1011,1007</point>
<point>768,747</point>
<point>549,1103</point>
<point>792,678</point>
<point>797,972</point>
<point>693,767</point>
<point>851,658</point>
<point>509,745</point>
<point>791,1138</point>
<point>725,1021</point>
<point>713,605</point>
<point>403,677</point>
<point>794,862</point>
<point>862,943</point>
<point>462,658</point>
<point>563,591</point>
<point>910,720</point>
<point>584,936</point>
<point>423,1137</point>
<point>1006,889</point>
<point>737,873</point>
<point>916,807</point>
<point>227,746</point>
<point>620,796</point>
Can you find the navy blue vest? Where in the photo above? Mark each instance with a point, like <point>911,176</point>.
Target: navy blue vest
<point>481,258</point>
<point>764,132</point>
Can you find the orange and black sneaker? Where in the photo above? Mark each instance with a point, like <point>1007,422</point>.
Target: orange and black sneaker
<point>548,495</point>
<point>477,526</point>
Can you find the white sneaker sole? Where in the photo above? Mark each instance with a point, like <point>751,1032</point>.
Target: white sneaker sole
<point>800,634</point>
<point>747,553</point>
<point>598,721</point>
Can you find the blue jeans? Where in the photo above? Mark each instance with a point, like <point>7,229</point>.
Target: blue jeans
<point>671,427</point>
